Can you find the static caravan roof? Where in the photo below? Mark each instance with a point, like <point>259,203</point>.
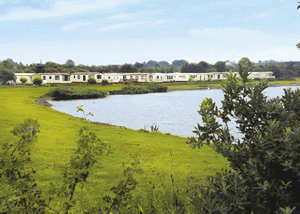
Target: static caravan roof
<point>54,74</point>
<point>262,72</point>
<point>160,74</point>
<point>84,73</point>
<point>24,74</point>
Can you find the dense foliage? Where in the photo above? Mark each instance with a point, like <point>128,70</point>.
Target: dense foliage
<point>23,80</point>
<point>69,92</point>
<point>37,81</point>
<point>149,88</point>
<point>6,74</point>
<point>265,161</point>
<point>283,70</point>
<point>104,82</point>
<point>92,81</point>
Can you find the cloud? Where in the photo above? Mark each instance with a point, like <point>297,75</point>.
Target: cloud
<point>256,16</point>
<point>124,16</point>
<point>74,25</point>
<point>9,2</point>
<point>221,33</point>
<point>127,25</point>
<point>61,8</point>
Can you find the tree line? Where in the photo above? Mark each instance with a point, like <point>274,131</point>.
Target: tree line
<point>287,70</point>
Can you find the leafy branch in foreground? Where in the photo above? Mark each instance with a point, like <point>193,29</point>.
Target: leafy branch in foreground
<point>265,161</point>
<point>19,193</point>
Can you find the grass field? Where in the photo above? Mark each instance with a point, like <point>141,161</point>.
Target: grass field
<point>57,141</point>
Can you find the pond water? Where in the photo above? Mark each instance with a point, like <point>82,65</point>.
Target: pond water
<point>173,112</point>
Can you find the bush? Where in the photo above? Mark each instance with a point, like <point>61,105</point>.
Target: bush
<point>157,88</point>
<point>67,93</point>
<point>126,83</point>
<point>265,171</point>
<point>135,82</point>
<point>23,80</point>
<point>37,81</point>
<point>129,89</point>
<point>144,130</point>
<point>104,82</point>
<point>286,77</point>
<point>92,80</point>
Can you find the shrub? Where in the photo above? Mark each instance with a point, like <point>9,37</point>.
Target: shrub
<point>67,93</point>
<point>129,89</point>
<point>92,80</point>
<point>23,80</point>
<point>265,171</point>
<point>144,130</point>
<point>37,81</point>
<point>104,82</point>
<point>157,88</point>
<point>126,83</point>
<point>135,82</point>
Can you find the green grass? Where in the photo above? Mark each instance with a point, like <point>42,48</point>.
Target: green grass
<point>286,82</point>
<point>57,141</point>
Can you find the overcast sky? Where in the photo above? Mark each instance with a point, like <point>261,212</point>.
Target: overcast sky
<point>127,31</point>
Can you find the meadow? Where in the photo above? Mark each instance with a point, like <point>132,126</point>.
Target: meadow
<point>58,136</point>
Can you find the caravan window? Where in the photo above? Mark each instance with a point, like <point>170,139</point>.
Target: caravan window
<point>56,77</point>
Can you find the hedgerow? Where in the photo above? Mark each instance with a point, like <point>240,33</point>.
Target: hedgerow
<point>67,93</point>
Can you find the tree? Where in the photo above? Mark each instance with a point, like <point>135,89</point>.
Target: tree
<point>6,76</point>
<point>23,80</point>
<point>164,63</point>
<point>229,68</point>
<point>126,68</point>
<point>247,60</point>
<point>220,66</point>
<point>211,69</point>
<point>265,171</point>
<point>171,69</point>
<point>138,65</point>
<point>7,64</point>
<point>276,70</point>
<point>37,68</point>
<point>37,81</point>
<point>69,61</point>
<point>184,68</point>
<point>205,65</point>
<point>92,80</point>
<point>179,63</point>
<point>151,64</point>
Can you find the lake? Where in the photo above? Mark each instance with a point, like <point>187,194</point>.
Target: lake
<point>173,112</point>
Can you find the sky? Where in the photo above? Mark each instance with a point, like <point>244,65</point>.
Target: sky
<point>95,32</point>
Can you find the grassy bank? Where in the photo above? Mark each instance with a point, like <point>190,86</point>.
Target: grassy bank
<point>57,141</point>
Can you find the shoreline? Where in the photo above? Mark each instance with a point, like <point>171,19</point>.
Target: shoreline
<point>43,101</point>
